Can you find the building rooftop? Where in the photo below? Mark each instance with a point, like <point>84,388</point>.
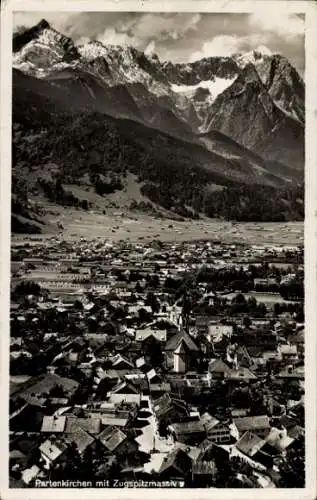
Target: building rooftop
<point>53,424</point>
<point>111,438</point>
<point>252,423</point>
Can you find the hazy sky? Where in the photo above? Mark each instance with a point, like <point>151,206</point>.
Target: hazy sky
<point>184,37</point>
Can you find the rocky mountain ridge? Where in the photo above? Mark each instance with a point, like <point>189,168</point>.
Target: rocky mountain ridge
<point>166,95</point>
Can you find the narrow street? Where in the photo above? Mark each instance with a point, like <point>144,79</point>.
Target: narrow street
<point>149,437</point>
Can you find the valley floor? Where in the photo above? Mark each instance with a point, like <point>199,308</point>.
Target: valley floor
<point>134,227</point>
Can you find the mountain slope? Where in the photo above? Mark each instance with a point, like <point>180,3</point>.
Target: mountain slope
<point>248,114</point>
<point>61,118</point>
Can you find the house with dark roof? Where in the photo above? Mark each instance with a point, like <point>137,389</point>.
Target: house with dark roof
<point>186,349</point>
<point>125,392</point>
<point>176,465</point>
<point>91,424</point>
<point>182,357</point>
<point>218,432</point>
<point>291,373</point>
<point>296,432</point>
<point>153,377</point>
<point>250,444</point>
<point>81,439</point>
<point>211,451</point>
<point>124,387</point>
<point>258,424</point>
<point>168,409</point>
<point>241,374</point>
<point>257,449</point>
<point>116,442</point>
<point>188,432</point>
<point>218,370</point>
<point>204,473</point>
<point>37,392</point>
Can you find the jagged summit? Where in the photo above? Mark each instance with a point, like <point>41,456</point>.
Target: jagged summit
<point>252,57</point>
<point>24,36</point>
<point>43,24</point>
<point>38,49</point>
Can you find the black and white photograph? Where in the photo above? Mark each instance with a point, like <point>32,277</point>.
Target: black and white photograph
<point>157,329</point>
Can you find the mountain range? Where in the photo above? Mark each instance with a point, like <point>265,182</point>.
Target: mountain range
<point>227,121</point>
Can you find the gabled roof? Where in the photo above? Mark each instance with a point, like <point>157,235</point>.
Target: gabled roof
<point>243,356</point>
<point>176,339</point>
<point>119,360</point>
<point>81,438</point>
<point>208,420</point>
<point>123,387</point>
<point>45,383</point>
<point>111,438</point>
<point>288,349</point>
<point>161,386</point>
<point>90,424</point>
<point>252,423</point>
<point>177,459</point>
<point>166,403</point>
<point>17,455</point>
<point>287,421</point>
<point>250,444</point>
<point>214,424</point>
<point>207,444</point>
<point>182,348</point>
<point>125,398</point>
<point>183,428</point>
<point>52,450</point>
<point>241,373</point>
<point>192,451</point>
<point>218,366</point>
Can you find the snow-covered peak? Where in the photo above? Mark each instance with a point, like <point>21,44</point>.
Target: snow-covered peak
<point>121,53</point>
<point>254,57</point>
<point>44,47</point>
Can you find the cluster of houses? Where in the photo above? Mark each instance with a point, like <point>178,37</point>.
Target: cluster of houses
<point>123,375</point>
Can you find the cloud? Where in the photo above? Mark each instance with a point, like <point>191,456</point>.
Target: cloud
<point>225,46</point>
<point>113,37</point>
<point>278,22</point>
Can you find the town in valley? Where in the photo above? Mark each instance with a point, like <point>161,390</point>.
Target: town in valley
<point>156,363</point>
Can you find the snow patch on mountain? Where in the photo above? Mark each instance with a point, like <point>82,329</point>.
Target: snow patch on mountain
<point>215,87</point>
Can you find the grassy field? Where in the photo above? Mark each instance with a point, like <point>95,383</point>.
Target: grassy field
<point>141,227</point>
